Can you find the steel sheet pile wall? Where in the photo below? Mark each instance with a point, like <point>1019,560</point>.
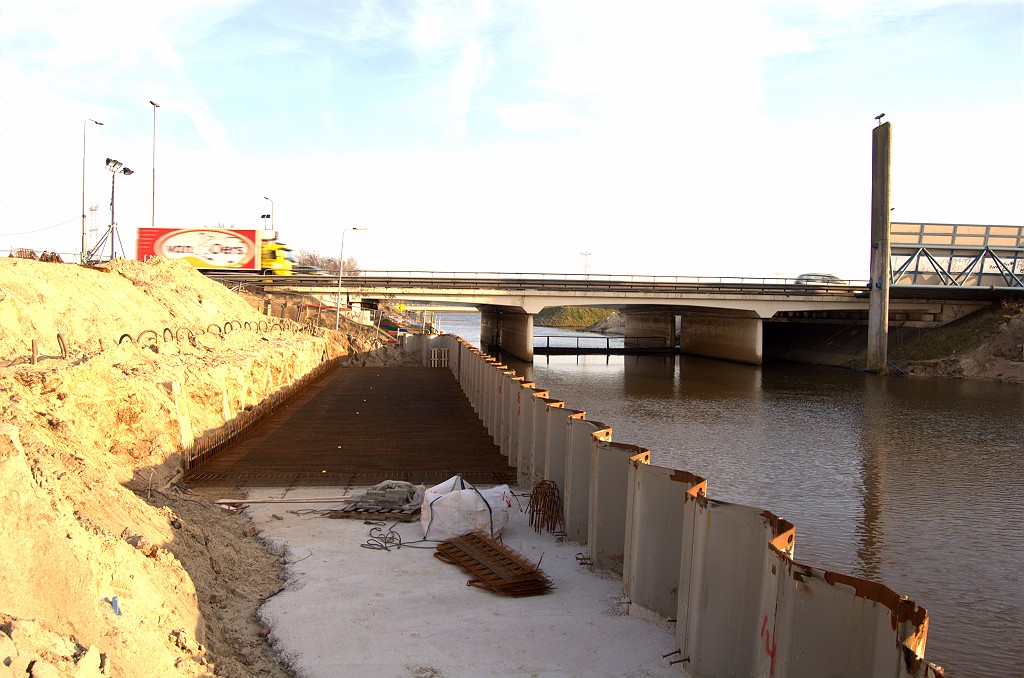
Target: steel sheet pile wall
<point>531,400</point>
<point>724,572</point>
<point>657,509</point>
<point>557,443</point>
<point>609,484</point>
<point>583,437</point>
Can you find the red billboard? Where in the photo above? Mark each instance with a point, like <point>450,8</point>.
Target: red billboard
<point>202,247</point>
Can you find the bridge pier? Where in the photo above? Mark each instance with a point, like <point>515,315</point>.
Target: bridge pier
<point>510,330</point>
<point>651,330</point>
<point>726,338</point>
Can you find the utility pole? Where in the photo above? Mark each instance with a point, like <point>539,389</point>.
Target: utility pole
<point>84,125</point>
<point>586,263</point>
<point>878,302</point>
<point>152,210</point>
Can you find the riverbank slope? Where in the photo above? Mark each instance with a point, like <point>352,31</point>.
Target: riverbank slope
<point>110,568</point>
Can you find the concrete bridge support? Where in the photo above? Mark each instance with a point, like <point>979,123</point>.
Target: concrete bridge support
<point>727,338</point>
<point>509,330</point>
<point>651,330</point>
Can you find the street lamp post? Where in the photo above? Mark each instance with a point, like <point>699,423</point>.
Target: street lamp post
<point>341,272</point>
<point>271,212</point>
<point>152,212</point>
<point>84,125</point>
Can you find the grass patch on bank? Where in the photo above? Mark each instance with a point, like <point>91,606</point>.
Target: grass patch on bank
<point>969,331</point>
<point>570,316</point>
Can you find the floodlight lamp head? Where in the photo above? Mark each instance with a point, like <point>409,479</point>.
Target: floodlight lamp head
<point>113,165</point>
<point>127,172</point>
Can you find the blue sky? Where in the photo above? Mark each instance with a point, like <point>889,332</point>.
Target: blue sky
<point>669,138</point>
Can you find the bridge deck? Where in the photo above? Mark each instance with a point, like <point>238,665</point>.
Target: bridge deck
<point>360,426</point>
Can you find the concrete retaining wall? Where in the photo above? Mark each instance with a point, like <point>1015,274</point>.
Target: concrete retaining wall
<point>723,573</point>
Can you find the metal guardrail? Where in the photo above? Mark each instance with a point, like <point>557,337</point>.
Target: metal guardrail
<point>560,282</point>
<point>609,343</point>
<point>590,279</point>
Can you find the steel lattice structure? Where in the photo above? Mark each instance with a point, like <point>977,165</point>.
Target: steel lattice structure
<point>957,255</point>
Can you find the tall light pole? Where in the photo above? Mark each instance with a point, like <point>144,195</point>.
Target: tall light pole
<point>271,212</point>
<point>341,272</point>
<point>152,212</point>
<point>84,125</point>
<point>115,167</point>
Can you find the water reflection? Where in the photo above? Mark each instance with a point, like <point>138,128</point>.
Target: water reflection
<point>873,471</point>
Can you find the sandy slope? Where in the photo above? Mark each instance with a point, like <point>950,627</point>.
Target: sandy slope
<point>88,444</point>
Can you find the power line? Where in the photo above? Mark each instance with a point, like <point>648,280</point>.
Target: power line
<point>63,223</point>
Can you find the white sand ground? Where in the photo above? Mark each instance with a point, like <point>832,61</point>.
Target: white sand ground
<point>353,611</point>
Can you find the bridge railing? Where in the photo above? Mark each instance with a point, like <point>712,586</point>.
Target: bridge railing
<point>585,280</point>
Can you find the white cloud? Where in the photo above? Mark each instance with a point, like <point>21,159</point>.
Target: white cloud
<point>644,134</point>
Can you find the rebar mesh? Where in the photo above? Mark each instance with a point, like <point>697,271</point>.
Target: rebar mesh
<point>494,566</point>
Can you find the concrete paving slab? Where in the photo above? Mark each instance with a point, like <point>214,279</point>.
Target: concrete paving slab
<point>353,611</point>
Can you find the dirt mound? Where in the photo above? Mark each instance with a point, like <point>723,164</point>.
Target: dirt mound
<point>108,568</point>
<point>989,344</point>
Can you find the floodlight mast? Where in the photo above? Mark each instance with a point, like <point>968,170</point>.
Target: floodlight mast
<point>115,167</point>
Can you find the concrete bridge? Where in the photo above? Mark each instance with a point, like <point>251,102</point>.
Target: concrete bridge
<point>935,273</point>
<point>714,317</point>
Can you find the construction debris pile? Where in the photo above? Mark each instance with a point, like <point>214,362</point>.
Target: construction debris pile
<point>389,500</point>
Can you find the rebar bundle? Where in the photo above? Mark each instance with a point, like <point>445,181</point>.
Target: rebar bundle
<point>545,507</point>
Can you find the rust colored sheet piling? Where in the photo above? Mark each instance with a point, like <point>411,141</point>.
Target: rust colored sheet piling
<point>361,426</point>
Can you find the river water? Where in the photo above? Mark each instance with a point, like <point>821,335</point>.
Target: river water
<point>915,483</point>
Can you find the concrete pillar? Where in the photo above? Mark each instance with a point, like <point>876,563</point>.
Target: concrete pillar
<point>878,302</point>
<point>516,334</point>
<point>510,330</point>
<point>651,330</point>
<point>725,338</point>
<point>488,330</point>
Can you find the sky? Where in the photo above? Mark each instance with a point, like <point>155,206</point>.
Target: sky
<point>654,137</point>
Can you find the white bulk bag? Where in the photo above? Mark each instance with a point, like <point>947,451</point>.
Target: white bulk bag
<point>455,507</point>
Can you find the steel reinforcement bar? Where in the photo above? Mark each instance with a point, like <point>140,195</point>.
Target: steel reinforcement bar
<point>207,445</point>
